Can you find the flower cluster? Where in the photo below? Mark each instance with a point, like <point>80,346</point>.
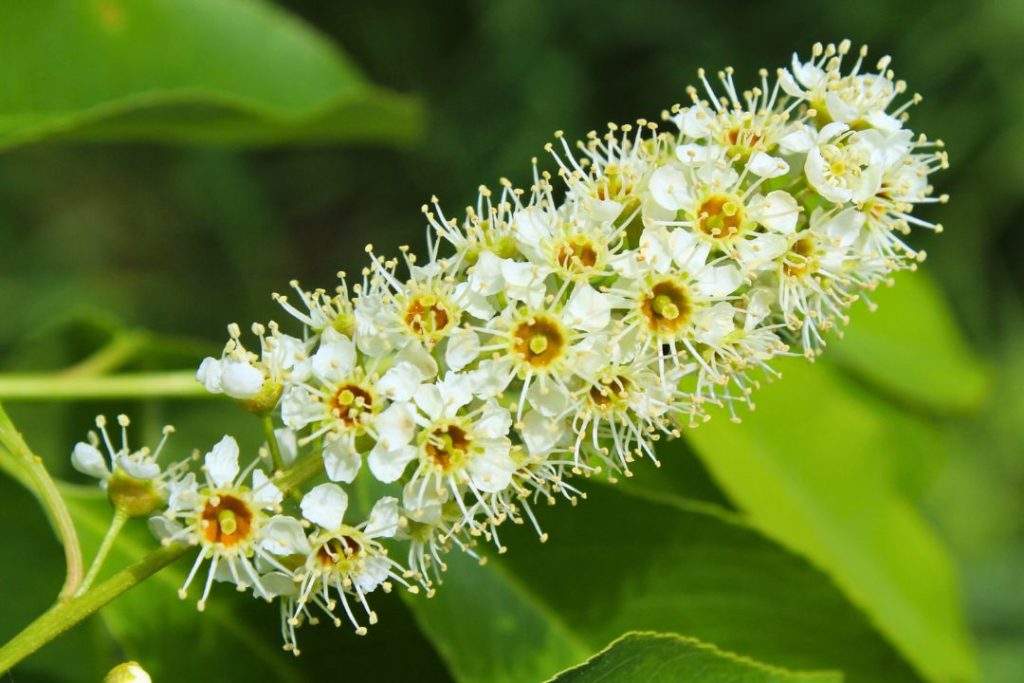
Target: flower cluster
<point>556,331</point>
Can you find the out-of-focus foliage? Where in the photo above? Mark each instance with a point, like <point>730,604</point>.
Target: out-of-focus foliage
<point>846,484</point>
<point>213,71</point>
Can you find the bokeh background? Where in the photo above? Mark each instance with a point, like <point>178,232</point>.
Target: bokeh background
<point>178,240</point>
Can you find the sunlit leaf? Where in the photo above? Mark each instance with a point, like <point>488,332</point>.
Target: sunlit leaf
<point>816,467</point>
<point>912,347</point>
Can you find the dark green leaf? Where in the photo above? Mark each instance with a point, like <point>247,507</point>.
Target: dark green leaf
<point>620,562</point>
<point>668,658</point>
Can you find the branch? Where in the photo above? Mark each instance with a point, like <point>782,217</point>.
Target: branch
<point>58,387</point>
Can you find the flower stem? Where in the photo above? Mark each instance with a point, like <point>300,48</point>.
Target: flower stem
<point>29,470</point>
<point>116,524</point>
<point>272,444</point>
<point>64,615</point>
<point>76,387</point>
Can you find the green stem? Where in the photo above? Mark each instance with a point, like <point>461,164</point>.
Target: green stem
<point>275,448</point>
<point>301,472</point>
<point>116,524</point>
<point>59,387</point>
<point>64,615</point>
<point>34,476</point>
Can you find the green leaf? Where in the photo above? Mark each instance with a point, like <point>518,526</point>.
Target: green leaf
<point>620,562</point>
<point>912,348</point>
<point>194,71</point>
<point>487,626</point>
<point>815,467</point>
<point>31,576</point>
<point>668,658</point>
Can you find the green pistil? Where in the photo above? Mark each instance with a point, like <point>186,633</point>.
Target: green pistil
<point>664,307</point>
<point>227,522</point>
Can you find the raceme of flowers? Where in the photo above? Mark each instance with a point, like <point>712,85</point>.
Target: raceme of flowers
<point>552,332</point>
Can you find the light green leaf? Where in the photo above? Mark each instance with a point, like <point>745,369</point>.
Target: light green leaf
<point>195,71</point>
<point>620,562</point>
<point>911,347</point>
<point>668,658</point>
<point>815,467</point>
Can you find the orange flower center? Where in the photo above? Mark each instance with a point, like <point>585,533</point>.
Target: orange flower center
<point>349,402</point>
<point>226,520</point>
<point>666,307</point>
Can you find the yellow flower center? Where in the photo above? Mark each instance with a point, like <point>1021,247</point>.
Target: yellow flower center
<point>349,402</point>
<point>539,341</point>
<point>720,216</point>
<point>447,447</point>
<point>429,317</point>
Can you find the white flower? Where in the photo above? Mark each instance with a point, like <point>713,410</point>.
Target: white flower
<point>346,561</point>
<point>243,375</point>
<point>453,448</point>
<point>226,519</point>
<point>842,167</point>
<point>140,465</point>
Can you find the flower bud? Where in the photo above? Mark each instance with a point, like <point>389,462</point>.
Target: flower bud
<point>136,497</point>
<point>265,400</point>
<point>127,672</point>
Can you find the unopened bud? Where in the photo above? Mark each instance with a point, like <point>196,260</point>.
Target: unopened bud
<point>136,497</point>
<point>127,672</point>
<point>264,401</point>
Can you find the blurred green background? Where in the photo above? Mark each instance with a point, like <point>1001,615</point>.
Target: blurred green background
<point>180,237</point>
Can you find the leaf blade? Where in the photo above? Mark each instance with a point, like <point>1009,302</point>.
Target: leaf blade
<point>841,508</point>
<point>668,657</point>
<point>223,71</point>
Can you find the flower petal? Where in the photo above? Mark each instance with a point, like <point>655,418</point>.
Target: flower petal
<point>491,470</point>
<point>668,187</point>
<point>209,375</point>
<point>396,425</point>
<point>341,460</point>
<point>284,535</point>
<point>463,348</point>
<point>222,462</point>
<point>240,380</point>
<point>334,360</point>
<point>388,465</point>
<point>325,506</point>
<point>87,459</point>
<point>383,520</point>
<point>264,492</point>
<point>766,165</point>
